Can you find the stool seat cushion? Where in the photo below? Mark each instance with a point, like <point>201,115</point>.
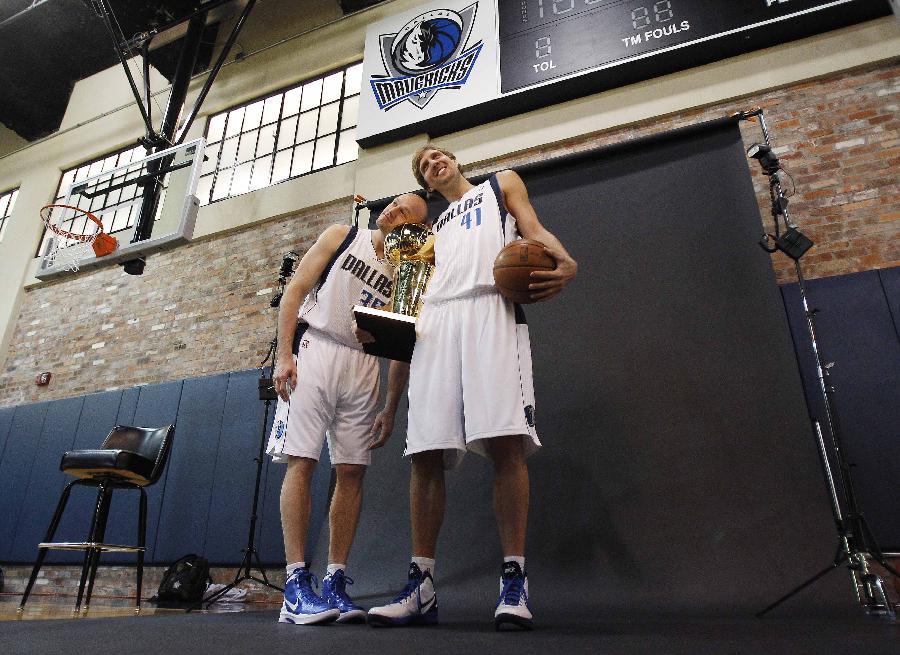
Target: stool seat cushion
<point>122,464</point>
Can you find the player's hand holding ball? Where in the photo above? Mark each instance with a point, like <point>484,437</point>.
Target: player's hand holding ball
<point>527,271</point>
<point>515,264</point>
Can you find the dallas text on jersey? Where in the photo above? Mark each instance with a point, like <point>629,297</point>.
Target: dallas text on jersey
<point>371,276</point>
<point>456,210</point>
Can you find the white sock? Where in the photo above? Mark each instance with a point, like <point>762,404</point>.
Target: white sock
<point>424,564</point>
<point>335,567</point>
<point>515,558</point>
<point>296,565</point>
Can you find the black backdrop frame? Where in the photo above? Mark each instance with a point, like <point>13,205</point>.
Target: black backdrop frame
<point>679,471</point>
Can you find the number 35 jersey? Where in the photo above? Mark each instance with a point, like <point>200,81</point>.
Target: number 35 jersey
<point>354,276</point>
<point>468,236</point>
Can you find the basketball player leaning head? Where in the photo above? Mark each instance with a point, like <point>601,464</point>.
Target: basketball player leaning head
<point>338,394</point>
<point>479,342</point>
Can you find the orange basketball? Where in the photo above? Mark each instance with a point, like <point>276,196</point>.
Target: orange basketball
<point>514,265</point>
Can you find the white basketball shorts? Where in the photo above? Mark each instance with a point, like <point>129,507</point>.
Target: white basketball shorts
<point>337,394</point>
<point>470,378</point>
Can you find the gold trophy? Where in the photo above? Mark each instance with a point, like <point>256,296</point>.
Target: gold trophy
<point>410,249</point>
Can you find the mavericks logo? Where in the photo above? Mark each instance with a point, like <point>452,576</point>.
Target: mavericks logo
<point>428,54</point>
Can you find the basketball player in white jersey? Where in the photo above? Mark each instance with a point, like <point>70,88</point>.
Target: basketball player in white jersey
<point>329,385</point>
<point>470,384</point>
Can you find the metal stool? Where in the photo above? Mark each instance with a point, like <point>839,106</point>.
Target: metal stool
<point>129,458</point>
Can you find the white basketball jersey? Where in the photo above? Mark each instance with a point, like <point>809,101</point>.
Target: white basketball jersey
<point>468,236</point>
<point>354,276</point>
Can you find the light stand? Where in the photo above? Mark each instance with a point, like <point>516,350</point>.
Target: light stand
<point>267,394</point>
<point>855,539</point>
<point>359,203</point>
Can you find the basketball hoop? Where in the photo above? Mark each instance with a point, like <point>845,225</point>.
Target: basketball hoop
<point>101,242</point>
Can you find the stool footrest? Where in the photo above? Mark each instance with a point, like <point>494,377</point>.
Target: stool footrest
<point>89,545</point>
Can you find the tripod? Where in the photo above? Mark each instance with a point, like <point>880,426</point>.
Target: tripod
<point>267,394</point>
<point>855,539</point>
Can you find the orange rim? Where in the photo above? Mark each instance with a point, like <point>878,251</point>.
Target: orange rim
<point>65,233</point>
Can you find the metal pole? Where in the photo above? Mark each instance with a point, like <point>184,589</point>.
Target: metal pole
<point>144,225</point>
<point>238,26</point>
<point>103,10</point>
<point>855,540</point>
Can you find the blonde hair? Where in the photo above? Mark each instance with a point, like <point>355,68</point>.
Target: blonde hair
<point>417,158</point>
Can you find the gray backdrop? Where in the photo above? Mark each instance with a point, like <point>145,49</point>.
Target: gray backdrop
<point>679,472</point>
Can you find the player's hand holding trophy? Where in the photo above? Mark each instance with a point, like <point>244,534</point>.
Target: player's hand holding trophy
<point>410,249</point>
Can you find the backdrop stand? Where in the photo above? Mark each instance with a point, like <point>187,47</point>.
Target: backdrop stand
<point>855,540</point>
<point>267,394</point>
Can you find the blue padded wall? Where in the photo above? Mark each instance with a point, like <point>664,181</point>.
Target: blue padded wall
<point>856,329</point>
<point>235,469</point>
<point>15,469</point>
<point>203,502</point>
<point>127,405</point>
<point>45,481</point>
<point>269,539</point>
<point>185,506</point>
<point>6,417</point>
<point>272,550</point>
<point>890,283</point>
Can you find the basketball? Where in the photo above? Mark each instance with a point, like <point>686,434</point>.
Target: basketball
<point>514,265</point>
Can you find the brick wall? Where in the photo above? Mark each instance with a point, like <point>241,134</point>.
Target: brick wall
<point>119,582</point>
<point>839,137</point>
<point>197,310</point>
<point>203,308</point>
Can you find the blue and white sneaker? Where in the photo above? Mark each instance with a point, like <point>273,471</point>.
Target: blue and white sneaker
<point>301,604</point>
<point>334,592</point>
<point>415,605</point>
<point>512,606</point>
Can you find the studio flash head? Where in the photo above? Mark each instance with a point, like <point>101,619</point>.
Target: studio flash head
<point>766,158</point>
<point>287,264</point>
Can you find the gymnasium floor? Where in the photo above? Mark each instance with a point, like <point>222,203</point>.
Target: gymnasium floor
<point>48,627</point>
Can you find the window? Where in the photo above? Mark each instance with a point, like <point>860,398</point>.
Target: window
<point>119,208</point>
<point>297,131</point>
<point>7,200</point>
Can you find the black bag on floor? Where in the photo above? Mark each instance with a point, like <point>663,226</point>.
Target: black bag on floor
<point>184,581</point>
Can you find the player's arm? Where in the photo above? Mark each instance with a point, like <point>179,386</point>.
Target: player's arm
<point>305,277</point>
<point>398,374</point>
<point>546,283</point>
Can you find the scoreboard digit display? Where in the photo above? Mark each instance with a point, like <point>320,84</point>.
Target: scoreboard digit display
<point>544,40</point>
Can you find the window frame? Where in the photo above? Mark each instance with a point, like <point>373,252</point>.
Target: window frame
<point>7,202</point>
<point>241,167</point>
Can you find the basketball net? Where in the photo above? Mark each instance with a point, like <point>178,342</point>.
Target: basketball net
<point>62,253</point>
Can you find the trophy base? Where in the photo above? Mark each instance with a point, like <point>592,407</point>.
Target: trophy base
<point>395,334</point>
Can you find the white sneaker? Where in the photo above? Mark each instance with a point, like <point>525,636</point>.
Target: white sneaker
<point>233,595</point>
<point>512,606</point>
<point>415,605</point>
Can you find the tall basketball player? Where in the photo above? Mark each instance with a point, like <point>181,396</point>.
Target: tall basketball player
<point>329,385</point>
<point>473,354</point>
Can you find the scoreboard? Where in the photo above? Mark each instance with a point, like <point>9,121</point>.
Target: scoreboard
<point>544,40</point>
<point>447,65</point>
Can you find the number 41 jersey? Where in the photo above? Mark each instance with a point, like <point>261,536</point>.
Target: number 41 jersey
<point>468,236</point>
